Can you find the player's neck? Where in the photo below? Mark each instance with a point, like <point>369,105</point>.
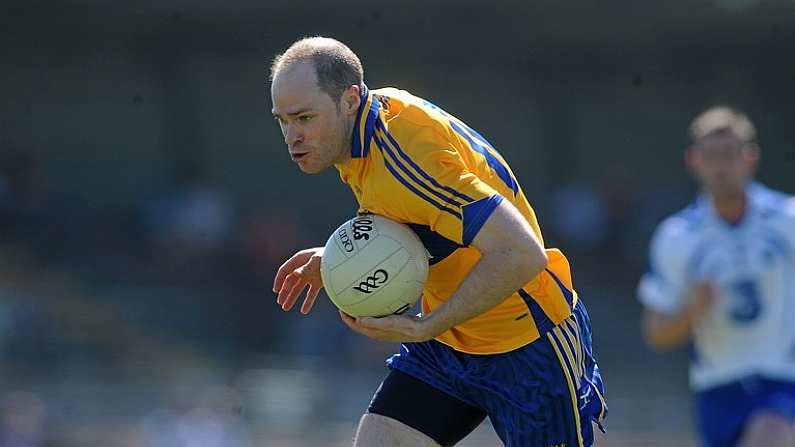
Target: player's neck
<point>730,208</point>
<point>345,151</point>
<point>345,157</point>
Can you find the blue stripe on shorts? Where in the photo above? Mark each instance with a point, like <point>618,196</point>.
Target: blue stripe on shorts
<point>543,394</point>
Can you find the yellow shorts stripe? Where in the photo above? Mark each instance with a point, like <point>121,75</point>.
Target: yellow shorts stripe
<point>579,366</point>
<point>572,392</point>
<point>568,356</point>
<point>576,328</point>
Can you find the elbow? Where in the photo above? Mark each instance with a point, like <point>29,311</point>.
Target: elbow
<point>535,261</point>
<point>540,261</point>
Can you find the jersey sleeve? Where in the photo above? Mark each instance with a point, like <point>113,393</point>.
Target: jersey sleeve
<point>436,189</point>
<point>662,287</point>
<point>789,225</point>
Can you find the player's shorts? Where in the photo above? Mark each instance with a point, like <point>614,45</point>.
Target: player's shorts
<point>723,411</point>
<point>544,394</point>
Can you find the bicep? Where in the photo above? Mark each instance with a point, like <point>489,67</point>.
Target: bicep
<point>506,229</point>
<point>444,195</point>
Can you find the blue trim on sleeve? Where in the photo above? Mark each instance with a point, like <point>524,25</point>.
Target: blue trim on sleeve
<point>476,214</point>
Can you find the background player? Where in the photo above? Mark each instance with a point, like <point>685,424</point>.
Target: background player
<point>502,332</point>
<point>723,277</point>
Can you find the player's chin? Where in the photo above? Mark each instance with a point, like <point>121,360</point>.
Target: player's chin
<point>727,188</point>
<point>310,168</point>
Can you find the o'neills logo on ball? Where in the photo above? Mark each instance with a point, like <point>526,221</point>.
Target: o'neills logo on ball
<point>373,282</point>
<point>347,244</point>
<point>362,226</point>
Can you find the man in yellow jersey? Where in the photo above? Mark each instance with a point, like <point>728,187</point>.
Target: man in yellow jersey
<point>502,332</point>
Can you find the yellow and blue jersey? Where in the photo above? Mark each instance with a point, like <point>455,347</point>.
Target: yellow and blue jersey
<point>415,163</point>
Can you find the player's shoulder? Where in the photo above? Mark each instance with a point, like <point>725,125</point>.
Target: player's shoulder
<point>788,207</point>
<point>677,235</point>
<point>773,204</point>
<point>407,110</point>
<point>413,122</point>
<point>683,224</point>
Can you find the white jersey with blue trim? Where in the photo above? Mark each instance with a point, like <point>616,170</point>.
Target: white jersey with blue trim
<point>751,328</point>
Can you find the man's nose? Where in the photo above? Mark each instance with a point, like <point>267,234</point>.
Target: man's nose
<point>292,135</point>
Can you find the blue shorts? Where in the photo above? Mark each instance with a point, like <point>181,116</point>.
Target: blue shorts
<point>722,412</point>
<point>543,394</point>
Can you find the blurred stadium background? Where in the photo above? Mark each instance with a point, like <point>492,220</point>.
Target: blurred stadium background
<point>146,196</point>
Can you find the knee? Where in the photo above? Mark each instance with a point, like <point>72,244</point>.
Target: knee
<point>770,429</point>
<point>376,430</point>
<point>769,421</point>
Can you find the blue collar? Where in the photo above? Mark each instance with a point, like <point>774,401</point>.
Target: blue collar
<point>364,127</point>
<point>754,192</point>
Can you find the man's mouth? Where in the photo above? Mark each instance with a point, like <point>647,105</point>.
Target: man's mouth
<point>298,156</point>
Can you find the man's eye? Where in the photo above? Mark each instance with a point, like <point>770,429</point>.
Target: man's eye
<point>304,118</point>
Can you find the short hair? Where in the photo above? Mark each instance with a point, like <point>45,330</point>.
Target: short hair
<point>336,66</point>
<point>722,119</point>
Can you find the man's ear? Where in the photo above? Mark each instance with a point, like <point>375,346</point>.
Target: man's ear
<point>689,157</point>
<point>752,155</point>
<point>351,99</point>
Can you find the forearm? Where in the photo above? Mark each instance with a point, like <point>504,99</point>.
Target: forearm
<point>494,278</point>
<point>667,331</point>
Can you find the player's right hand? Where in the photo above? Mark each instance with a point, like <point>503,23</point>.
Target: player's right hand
<point>302,270</point>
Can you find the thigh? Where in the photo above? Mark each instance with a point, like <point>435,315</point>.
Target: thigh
<point>770,429</point>
<point>380,431</point>
<point>421,407</point>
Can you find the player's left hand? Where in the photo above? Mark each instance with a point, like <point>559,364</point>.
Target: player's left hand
<point>392,328</point>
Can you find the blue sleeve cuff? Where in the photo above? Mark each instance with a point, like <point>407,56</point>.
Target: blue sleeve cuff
<point>476,214</point>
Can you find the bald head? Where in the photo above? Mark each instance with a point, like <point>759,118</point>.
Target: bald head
<point>336,66</point>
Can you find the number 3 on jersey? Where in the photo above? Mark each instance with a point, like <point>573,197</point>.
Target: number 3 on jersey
<point>746,302</point>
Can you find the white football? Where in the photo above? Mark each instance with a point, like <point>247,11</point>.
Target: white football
<point>373,266</point>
